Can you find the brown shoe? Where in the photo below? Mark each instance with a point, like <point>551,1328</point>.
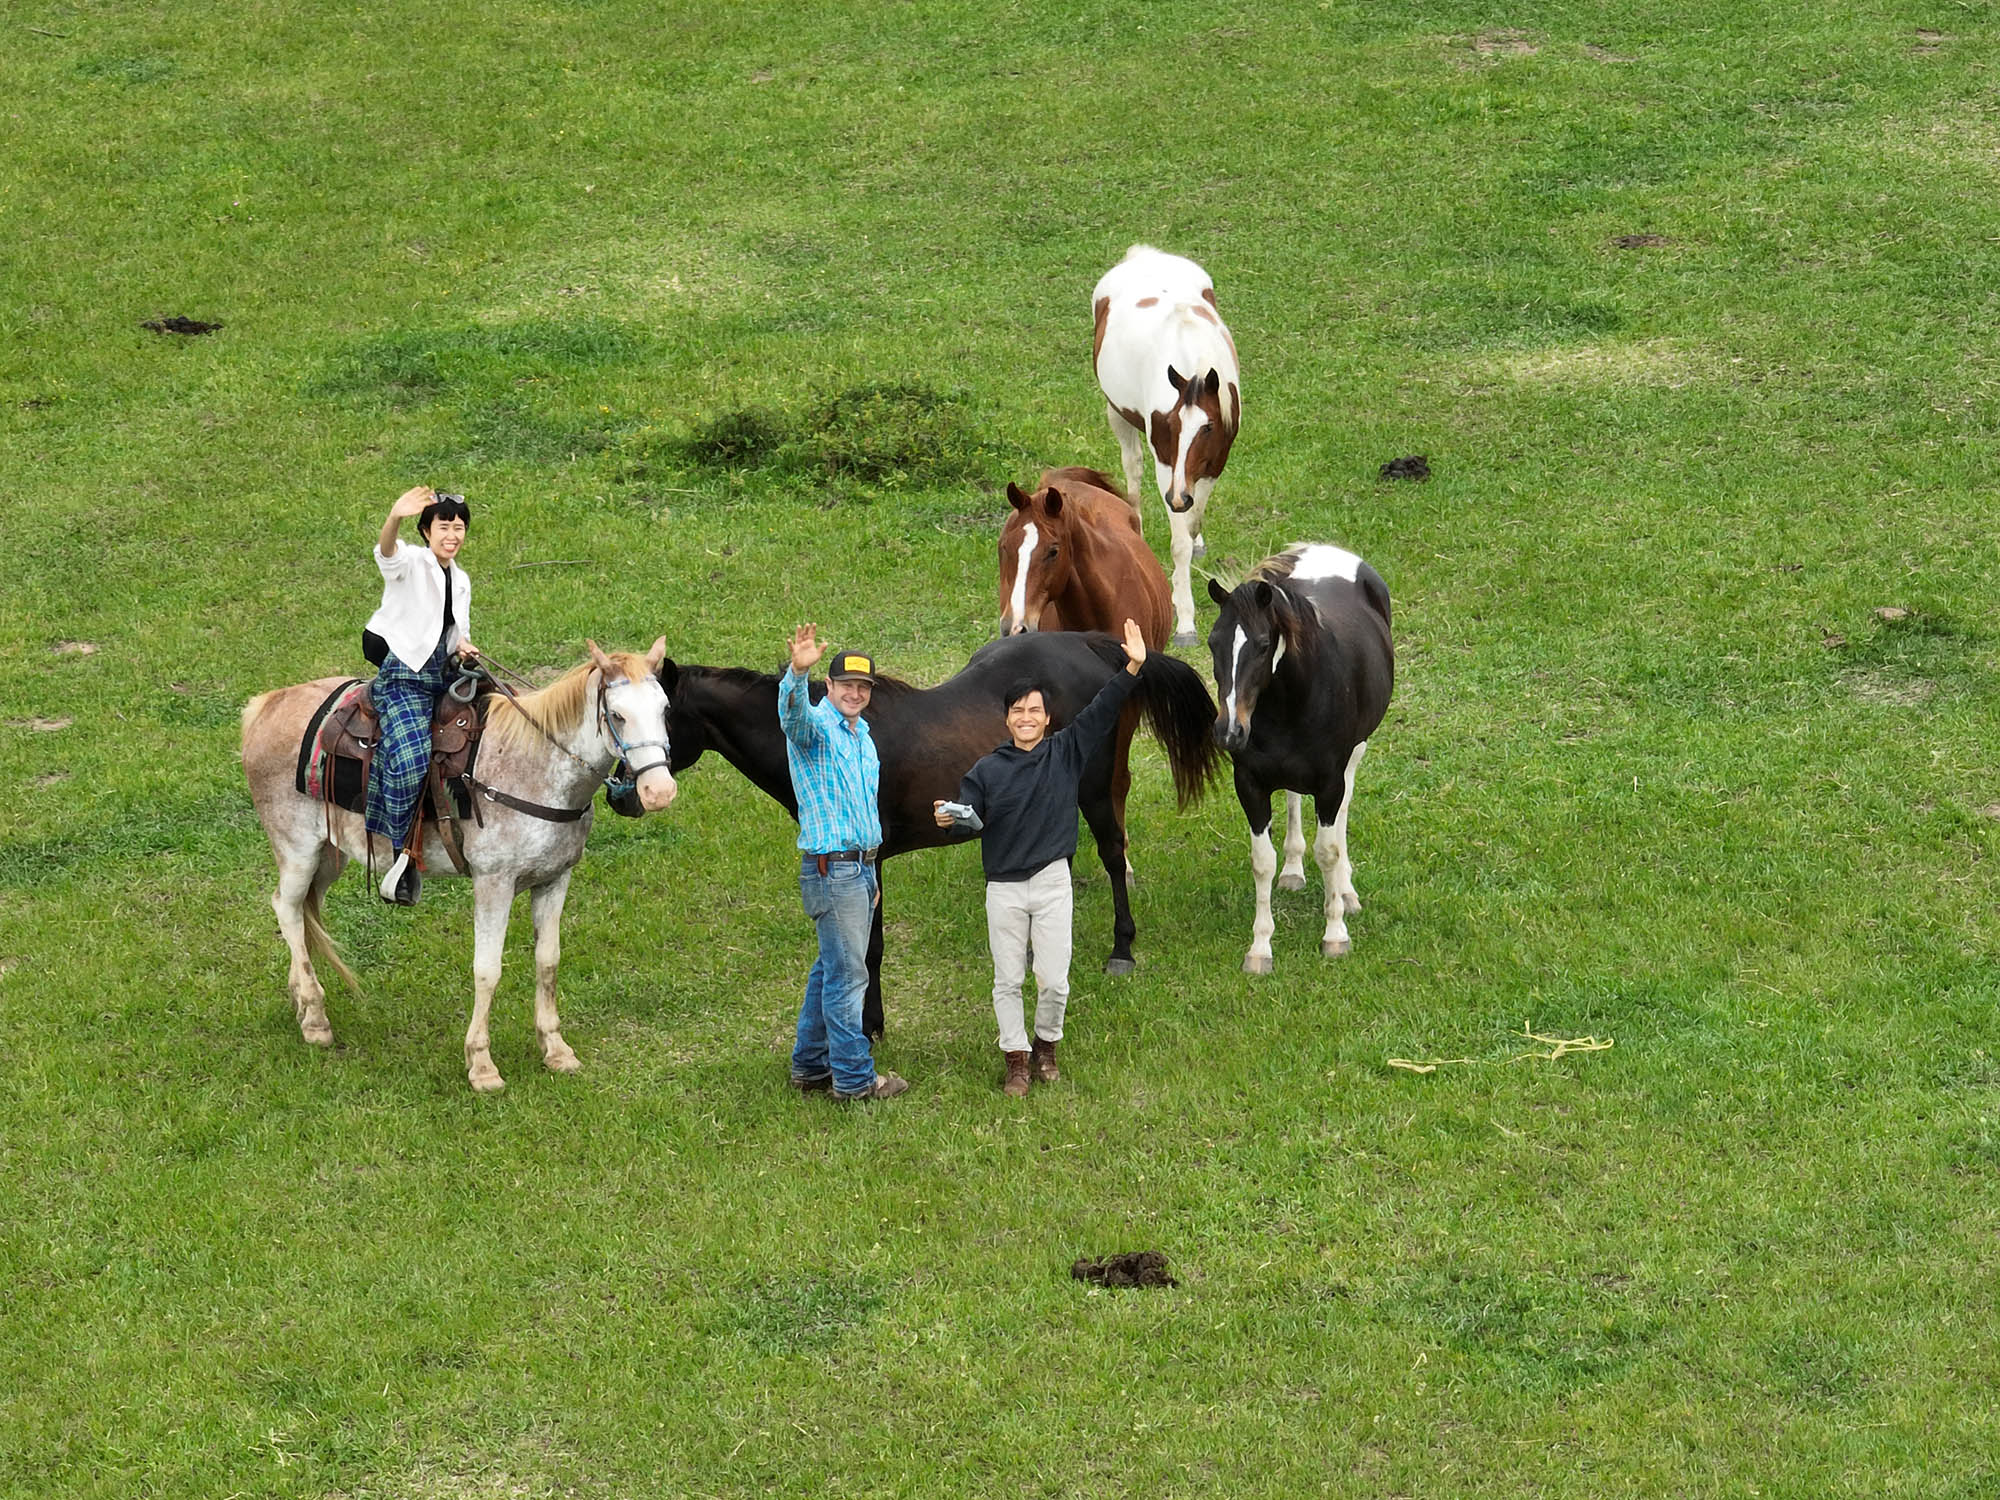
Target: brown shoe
<point>1042,1062</point>
<point>818,1085</point>
<point>886,1086</point>
<point>1016,1086</point>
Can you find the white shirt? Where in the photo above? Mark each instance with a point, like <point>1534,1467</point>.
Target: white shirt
<point>412,612</point>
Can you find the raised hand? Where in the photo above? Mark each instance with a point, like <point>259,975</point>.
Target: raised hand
<point>806,647</point>
<point>412,502</point>
<point>1135,648</point>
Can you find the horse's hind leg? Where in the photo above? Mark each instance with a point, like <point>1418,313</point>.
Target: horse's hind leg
<point>1293,876</point>
<point>1336,870</point>
<point>1132,454</point>
<point>299,884</point>
<point>1121,780</point>
<point>546,903</point>
<point>1098,812</point>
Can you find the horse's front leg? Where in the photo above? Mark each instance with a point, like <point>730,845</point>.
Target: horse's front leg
<point>492,897</point>
<point>1293,876</point>
<point>872,1017</point>
<point>1180,527</point>
<point>545,902</point>
<point>1256,803</point>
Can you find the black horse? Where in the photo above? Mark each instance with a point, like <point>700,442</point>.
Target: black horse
<point>928,739</point>
<point>1304,665</point>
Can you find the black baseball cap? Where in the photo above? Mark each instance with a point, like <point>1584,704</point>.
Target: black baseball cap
<point>851,665</point>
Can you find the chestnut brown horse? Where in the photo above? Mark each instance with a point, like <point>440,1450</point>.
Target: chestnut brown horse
<point>1072,558</point>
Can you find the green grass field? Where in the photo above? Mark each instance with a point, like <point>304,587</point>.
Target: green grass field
<point>729,317</point>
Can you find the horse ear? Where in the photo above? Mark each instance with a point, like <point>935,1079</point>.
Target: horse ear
<point>658,654</point>
<point>1055,501</point>
<point>1262,594</point>
<point>1014,496</point>
<point>1212,385</point>
<point>1217,592</point>
<point>1174,379</point>
<point>597,658</point>
<point>669,673</point>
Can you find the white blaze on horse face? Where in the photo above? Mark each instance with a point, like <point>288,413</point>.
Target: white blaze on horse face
<point>1319,560</point>
<point>1194,421</point>
<point>1236,670</point>
<point>1017,601</point>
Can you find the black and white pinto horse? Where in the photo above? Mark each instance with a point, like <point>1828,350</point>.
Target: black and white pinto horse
<point>1303,668</point>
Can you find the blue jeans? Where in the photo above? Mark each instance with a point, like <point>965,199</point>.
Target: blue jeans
<point>841,904</point>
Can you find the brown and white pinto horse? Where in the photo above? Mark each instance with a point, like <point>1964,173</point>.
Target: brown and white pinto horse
<point>1304,667</point>
<point>1167,367</point>
<point>540,762</point>
<point>1072,558</point>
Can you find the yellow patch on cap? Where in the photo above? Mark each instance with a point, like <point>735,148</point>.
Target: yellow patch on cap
<point>855,664</point>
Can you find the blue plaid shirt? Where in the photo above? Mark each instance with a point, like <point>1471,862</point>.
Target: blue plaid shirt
<point>836,773</point>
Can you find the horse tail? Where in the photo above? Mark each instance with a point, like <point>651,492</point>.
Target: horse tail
<point>320,941</point>
<point>1182,717</point>
<point>254,710</point>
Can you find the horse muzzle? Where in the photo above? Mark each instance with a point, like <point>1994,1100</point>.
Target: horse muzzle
<point>1231,735</point>
<point>1182,503</point>
<point>657,788</point>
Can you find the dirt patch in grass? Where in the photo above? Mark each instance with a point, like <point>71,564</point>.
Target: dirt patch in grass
<point>887,434</point>
<point>1127,1268</point>
<point>1497,44</point>
<point>1638,241</point>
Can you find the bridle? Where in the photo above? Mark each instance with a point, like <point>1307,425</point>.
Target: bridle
<point>620,782</point>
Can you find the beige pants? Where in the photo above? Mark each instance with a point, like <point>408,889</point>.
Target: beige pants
<point>1020,913</point>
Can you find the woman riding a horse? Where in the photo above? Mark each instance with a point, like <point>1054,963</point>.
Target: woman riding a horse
<point>422,622</point>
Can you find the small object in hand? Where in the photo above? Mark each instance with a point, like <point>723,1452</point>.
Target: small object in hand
<point>1130,1268</point>
<point>962,815</point>
<point>188,326</point>
<point>1417,466</point>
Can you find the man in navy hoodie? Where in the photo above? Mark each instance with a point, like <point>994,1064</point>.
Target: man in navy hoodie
<point>1024,796</point>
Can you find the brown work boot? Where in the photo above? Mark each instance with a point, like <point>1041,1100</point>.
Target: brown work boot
<point>1042,1062</point>
<point>1016,1086</point>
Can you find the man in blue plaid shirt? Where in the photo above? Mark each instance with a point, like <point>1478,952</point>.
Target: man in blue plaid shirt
<point>836,776</point>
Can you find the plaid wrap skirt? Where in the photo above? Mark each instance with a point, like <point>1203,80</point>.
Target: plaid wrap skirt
<point>405,702</point>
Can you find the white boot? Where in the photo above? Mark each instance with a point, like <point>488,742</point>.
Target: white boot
<point>389,881</point>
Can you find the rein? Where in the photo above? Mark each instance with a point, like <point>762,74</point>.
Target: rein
<point>615,785</point>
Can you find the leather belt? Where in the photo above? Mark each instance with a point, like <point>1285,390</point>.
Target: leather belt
<point>843,857</point>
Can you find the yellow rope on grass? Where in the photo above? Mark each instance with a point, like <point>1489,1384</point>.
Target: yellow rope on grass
<point>1559,1046</point>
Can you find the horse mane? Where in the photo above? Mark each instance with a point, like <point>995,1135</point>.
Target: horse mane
<point>557,709</point>
<point>1293,621</point>
<point>1078,474</point>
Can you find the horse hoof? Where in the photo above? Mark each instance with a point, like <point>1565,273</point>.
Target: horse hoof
<point>1119,966</point>
<point>1258,963</point>
<point>562,1060</point>
<point>1200,548</point>
<point>486,1079</point>
<point>318,1036</point>
<point>1290,882</point>
<point>1185,638</point>
<point>1333,948</point>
